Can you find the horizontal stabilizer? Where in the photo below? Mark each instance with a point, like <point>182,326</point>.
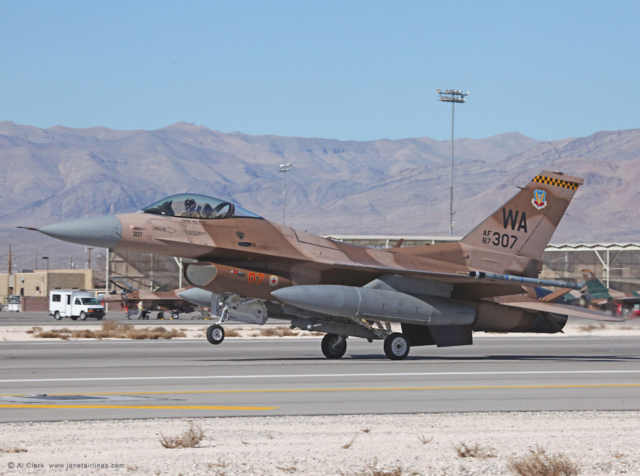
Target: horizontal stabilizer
<point>563,309</point>
<point>556,295</point>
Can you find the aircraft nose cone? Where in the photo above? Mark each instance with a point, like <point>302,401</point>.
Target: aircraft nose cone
<point>101,232</point>
<point>197,296</point>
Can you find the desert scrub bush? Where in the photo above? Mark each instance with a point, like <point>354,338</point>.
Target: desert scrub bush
<point>13,449</point>
<point>230,332</point>
<point>473,451</point>
<point>591,327</point>
<point>112,330</point>
<point>189,439</point>
<point>348,445</point>
<point>538,463</point>
<point>372,469</point>
<point>53,334</point>
<point>277,332</point>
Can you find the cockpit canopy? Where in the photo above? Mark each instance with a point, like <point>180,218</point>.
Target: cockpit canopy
<point>191,205</point>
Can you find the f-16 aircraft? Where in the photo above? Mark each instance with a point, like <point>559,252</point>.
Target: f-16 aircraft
<point>595,295</point>
<point>167,301</point>
<point>439,294</point>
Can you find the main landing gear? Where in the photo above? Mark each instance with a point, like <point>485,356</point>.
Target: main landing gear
<point>396,346</point>
<point>333,346</point>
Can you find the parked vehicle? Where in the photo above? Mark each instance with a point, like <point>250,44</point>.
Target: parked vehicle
<point>74,304</point>
<point>13,303</point>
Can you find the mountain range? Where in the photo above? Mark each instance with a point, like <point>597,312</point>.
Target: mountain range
<point>398,187</point>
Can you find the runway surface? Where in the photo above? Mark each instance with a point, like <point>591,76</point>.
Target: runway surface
<point>149,379</point>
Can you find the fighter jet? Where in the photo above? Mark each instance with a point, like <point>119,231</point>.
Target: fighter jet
<point>595,295</point>
<point>438,294</point>
<point>159,301</point>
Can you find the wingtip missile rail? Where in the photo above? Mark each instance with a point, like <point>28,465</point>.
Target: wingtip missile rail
<point>525,281</point>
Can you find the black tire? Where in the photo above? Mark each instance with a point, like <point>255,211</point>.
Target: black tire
<point>83,316</point>
<point>175,315</point>
<point>215,334</point>
<point>331,349</point>
<point>160,315</point>
<point>129,316</point>
<point>74,318</point>
<point>396,346</point>
<point>57,316</point>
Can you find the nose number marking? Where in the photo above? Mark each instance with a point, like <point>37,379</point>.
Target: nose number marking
<point>255,278</point>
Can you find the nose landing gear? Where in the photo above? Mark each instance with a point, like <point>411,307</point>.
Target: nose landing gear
<point>215,334</point>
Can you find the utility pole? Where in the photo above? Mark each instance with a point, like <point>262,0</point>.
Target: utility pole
<point>35,266</point>
<point>10,262</point>
<point>284,168</point>
<point>47,258</point>
<point>89,248</point>
<point>453,96</point>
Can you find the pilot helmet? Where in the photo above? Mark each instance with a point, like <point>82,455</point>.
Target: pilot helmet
<point>189,204</point>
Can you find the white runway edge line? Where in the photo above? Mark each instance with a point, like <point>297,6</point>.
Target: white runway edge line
<point>399,374</point>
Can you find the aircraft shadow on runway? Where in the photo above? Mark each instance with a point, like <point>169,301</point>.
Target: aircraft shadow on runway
<point>485,358</point>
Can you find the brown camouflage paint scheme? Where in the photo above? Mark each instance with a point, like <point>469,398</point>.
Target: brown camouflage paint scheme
<point>249,252</point>
<point>152,301</point>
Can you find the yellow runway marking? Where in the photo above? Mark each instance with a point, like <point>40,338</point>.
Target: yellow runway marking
<point>362,389</point>
<point>135,407</point>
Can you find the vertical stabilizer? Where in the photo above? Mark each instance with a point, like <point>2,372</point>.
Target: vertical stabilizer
<point>525,224</point>
<point>592,283</point>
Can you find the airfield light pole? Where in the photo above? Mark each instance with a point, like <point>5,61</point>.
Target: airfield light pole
<point>47,258</point>
<point>453,96</point>
<point>284,168</point>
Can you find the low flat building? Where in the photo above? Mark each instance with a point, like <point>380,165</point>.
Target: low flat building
<point>37,283</point>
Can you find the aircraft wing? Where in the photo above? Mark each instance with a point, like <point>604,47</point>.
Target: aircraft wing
<point>477,278</point>
<point>112,298</point>
<point>564,309</point>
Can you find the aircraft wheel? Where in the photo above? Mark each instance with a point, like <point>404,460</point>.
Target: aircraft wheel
<point>129,316</point>
<point>175,315</point>
<point>215,334</point>
<point>161,315</point>
<point>396,346</point>
<point>83,316</point>
<point>333,347</point>
<point>57,316</point>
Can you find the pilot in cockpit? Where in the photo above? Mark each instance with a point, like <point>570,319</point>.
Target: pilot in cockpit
<point>190,209</point>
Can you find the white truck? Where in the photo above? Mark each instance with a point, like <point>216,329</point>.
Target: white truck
<point>74,304</point>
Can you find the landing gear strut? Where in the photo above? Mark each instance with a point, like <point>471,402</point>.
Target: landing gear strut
<point>334,346</point>
<point>396,346</point>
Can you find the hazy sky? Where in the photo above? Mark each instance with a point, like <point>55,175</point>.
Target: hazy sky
<point>347,69</point>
